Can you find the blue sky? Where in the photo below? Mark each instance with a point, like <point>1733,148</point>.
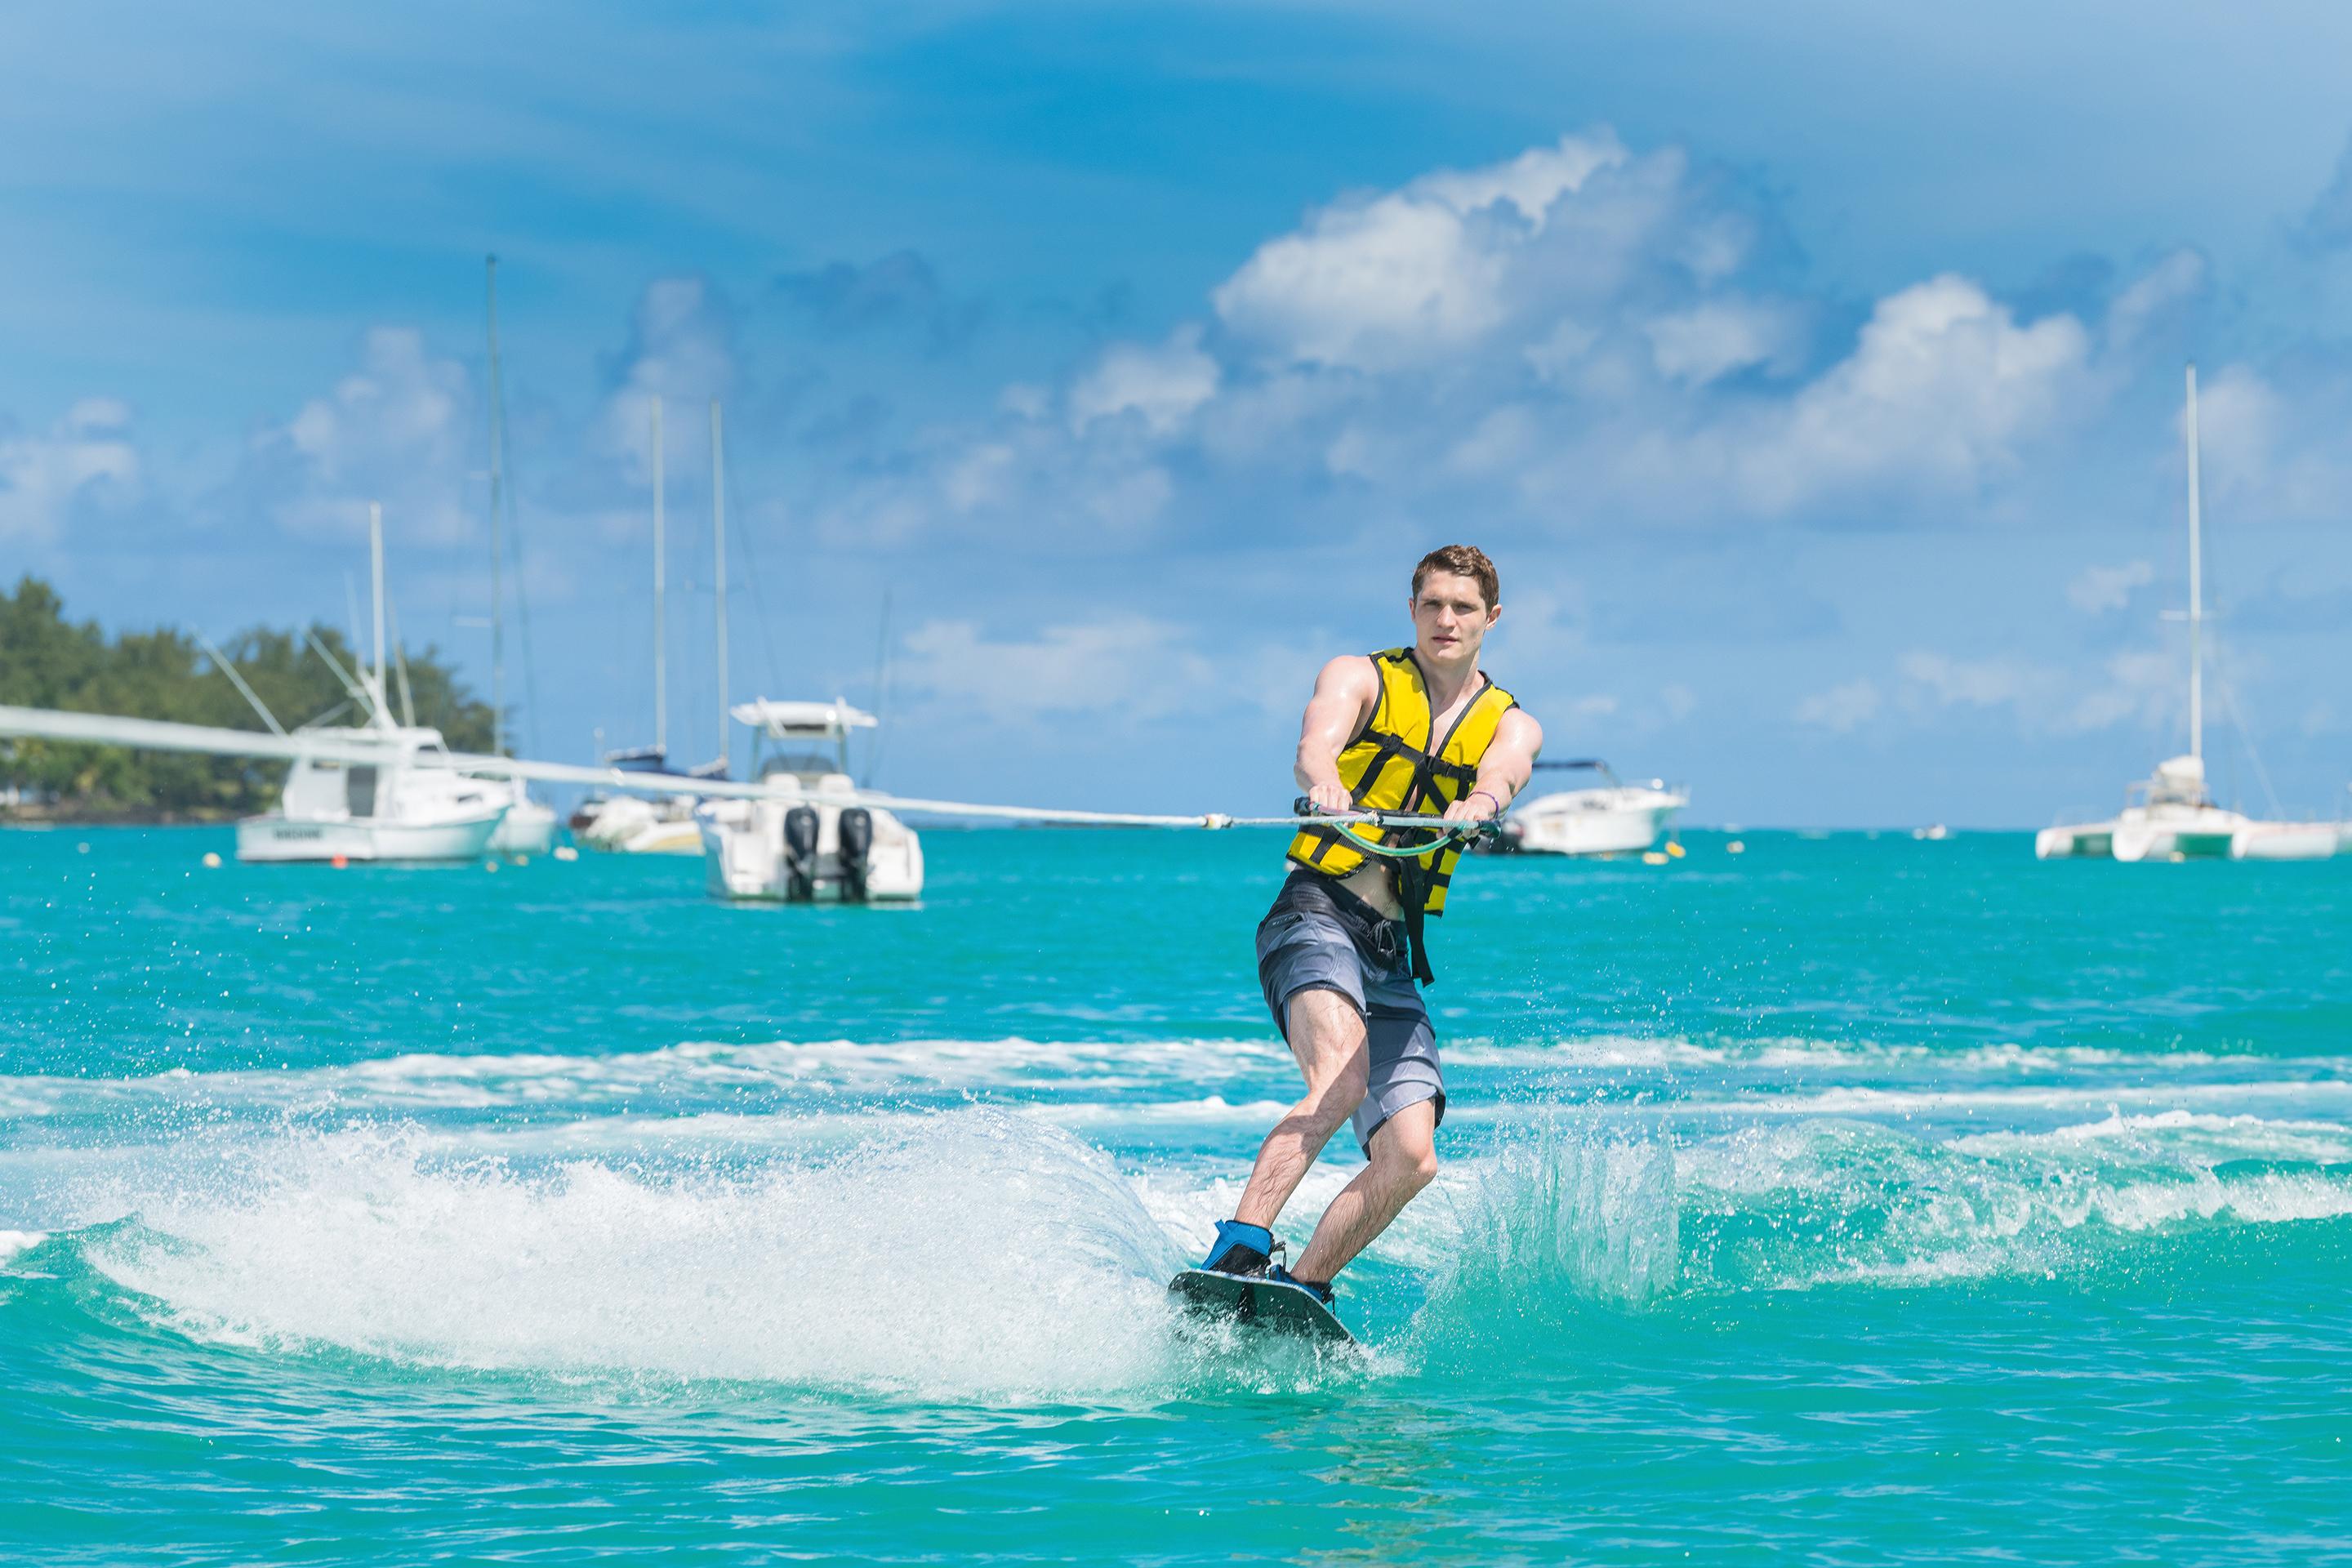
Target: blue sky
<point>1814,376</point>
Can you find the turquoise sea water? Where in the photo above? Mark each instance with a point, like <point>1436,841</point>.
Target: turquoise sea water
<point>1851,1200</point>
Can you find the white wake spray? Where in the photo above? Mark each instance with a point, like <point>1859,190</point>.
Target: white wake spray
<point>979,1254</point>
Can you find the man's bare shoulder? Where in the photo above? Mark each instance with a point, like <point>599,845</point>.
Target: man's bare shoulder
<point>1519,727</point>
<point>1351,672</point>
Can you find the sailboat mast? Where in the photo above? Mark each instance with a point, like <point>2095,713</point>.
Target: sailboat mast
<point>719,544</point>
<point>375,574</point>
<point>661,636</point>
<point>2196,589</point>
<point>498,551</point>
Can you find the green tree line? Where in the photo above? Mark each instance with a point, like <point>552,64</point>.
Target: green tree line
<point>46,661</point>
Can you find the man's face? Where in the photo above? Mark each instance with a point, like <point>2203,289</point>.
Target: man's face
<point>1450,617</point>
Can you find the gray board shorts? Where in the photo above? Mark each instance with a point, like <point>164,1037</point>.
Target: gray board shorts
<point>1319,934</point>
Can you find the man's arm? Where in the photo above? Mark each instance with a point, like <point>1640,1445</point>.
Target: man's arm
<point>1344,697</point>
<point>1504,771</point>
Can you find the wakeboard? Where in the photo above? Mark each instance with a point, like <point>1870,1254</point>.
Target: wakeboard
<point>1259,1303</point>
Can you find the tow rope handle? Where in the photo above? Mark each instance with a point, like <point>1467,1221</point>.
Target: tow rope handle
<point>1411,822</point>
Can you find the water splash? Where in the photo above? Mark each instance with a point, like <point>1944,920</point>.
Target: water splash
<point>980,1254</point>
<point>1792,1206</point>
<point>1559,1215</point>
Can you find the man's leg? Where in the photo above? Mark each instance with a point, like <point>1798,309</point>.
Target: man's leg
<point>1403,1161</point>
<point>1326,1036</point>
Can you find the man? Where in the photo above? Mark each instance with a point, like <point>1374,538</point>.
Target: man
<point>1421,731</point>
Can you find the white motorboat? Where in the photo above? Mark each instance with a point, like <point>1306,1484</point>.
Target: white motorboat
<point>386,809</point>
<point>1612,818</point>
<point>2171,816</point>
<point>802,842</point>
<point>378,791</point>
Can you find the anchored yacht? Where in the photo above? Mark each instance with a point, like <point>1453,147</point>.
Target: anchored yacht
<point>385,807</point>
<point>806,841</point>
<point>2168,817</point>
<point>378,791</point>
<point>645,823</point>
<point>654,822</point>
<point>1612,818</point>
<point>2171,816</point>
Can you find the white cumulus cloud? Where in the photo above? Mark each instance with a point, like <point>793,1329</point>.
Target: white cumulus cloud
<point>1944,385</point>
<point>1841,709</point>
<point>681,349</point>
<point>1393,280</point>
<point>396,429</point>
<point>1718,337</point>
<point>87,454</point>
<point>1128,667</point>
<point>2099,589</point>
<point>1162,385</point>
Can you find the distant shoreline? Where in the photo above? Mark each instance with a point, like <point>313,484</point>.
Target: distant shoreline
<point>113,816</point>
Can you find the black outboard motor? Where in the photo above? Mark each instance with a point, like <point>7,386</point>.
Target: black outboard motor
<point>800,855</point>
<point>856,829</point>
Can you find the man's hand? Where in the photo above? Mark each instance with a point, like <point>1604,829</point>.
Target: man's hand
<point>1476,806</point>
<point>1332,799</point>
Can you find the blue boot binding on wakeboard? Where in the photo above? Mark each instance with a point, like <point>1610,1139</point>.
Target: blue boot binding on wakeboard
<point>1245,1250</point>
<point>1278,1274</point>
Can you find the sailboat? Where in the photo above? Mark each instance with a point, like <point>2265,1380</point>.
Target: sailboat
<point>2172,815</point>
<point>529,826</point>
<point>373,793</point>
<point>663,824</point>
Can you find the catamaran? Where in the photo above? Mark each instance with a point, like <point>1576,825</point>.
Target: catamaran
<point>801,842</point>
<point>2172,815</point>
<point>1612,818</point>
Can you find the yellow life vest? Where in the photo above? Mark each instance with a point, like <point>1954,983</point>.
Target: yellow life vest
<point>1397,763</point>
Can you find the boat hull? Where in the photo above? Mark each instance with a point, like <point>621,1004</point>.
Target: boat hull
<point>2289,841</point>
<point>630,825</point>
<point>2130,842</point>
<point>744,859</point>
<point>657,838</point>
<point>1589,823</point>
<point>528,828</point>
<point>275,839</point>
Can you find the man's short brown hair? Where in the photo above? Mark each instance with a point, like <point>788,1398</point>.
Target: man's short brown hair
<point>1463,560</point>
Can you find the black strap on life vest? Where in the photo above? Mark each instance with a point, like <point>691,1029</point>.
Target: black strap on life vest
<point>1410,878</point>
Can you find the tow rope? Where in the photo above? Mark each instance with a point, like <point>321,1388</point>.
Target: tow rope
<point>1439,831</point>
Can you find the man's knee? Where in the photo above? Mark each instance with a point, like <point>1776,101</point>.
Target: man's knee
<point>1326,1036</point>
<point>1405,1146</point>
